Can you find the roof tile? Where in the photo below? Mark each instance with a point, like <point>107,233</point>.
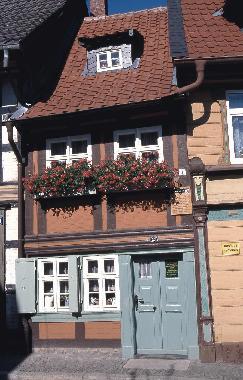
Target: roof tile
<point>150,81</point>
<point>208,35</point>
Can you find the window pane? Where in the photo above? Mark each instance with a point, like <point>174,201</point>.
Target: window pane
<point>93,286</point>
<point>64,286</point>
<point>93,266</point>
<point>149,138</point>
<point>48,269</point>
<point>109,266</point>
<point>103,57</point>
<point>127,141</point>
<point>103,61</point>
<point>150,156</point>
<point>236,100</point>
<point>64,300</point>
<point>56,163</point>
<point>58,148</point>
<point>49,301</point>
<point>115,58</point>
<point>63,268</point>
<point>145,270</point>
<point>110,299</point>
<point>109,285</point>
<point>94,299</point>
<point>79,146</point>
<point>48,287</point>
<point>115,54</point>
<point>237,123</point>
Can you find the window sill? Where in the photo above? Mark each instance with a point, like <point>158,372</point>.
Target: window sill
<point>68,317</point>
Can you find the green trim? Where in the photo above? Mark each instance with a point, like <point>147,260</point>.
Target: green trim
<point>229,213</point>
<point>57,317</point>
<point>151,251</point>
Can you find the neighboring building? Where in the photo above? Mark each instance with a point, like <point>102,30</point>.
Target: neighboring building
<point>32,51</point>
<point>119,270</point>
<point>206,42</point>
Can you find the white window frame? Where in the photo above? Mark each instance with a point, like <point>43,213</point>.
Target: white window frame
<point>109,61</point>
<point>230,114</point>
<point>56,277</point>
<point>101,276</point>
<point>139,149</point>
<point>68,157</point>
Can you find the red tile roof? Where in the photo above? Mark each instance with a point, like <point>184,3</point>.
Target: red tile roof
<point>208,35</point>
<point>150,81</point>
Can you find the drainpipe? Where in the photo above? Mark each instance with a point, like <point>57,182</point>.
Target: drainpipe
<point>9,126</point>
<point>200,69</point>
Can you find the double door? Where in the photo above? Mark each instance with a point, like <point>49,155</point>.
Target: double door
<point>165,305</point>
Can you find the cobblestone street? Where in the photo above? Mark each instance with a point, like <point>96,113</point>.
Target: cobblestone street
<point>107,364</point>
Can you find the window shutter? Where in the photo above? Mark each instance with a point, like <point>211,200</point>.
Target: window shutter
<point>92,62</point>
<point>126,56</point>
<point>26,286</point>
<point>74,276</point>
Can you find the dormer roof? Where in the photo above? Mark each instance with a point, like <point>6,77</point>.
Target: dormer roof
<point>151,80</point>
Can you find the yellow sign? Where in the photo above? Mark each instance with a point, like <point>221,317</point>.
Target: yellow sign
<point>229,249</point>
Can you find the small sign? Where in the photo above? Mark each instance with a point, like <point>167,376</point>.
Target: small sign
<point>171,269</point>
<point>230,249</point>
<point>182,204</point>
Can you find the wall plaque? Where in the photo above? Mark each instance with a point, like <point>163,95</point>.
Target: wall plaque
<point>230,248</point>
<point>171,269</point>
<point>182,204</point>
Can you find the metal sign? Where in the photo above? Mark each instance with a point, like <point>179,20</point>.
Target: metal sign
<point>230,248</point>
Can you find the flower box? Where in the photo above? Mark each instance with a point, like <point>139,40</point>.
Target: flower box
<point>125,174</point>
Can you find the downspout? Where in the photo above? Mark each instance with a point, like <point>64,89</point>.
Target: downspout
<point>9,126</point>
<point>200,69</point>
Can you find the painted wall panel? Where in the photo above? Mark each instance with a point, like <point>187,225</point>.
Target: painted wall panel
<point>205,131</point>
<point>226,275</point>
<point>228,190</point>
<point>76,220</point>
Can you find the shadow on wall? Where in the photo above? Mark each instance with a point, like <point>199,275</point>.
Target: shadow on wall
<point>15,334</point>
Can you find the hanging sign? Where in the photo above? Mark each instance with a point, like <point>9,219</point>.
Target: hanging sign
<point>230,248</point>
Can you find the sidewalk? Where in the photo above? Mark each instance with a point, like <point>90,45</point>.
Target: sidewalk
<point>105,364</point>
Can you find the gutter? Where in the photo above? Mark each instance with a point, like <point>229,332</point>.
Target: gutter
<point>200,69</point>
<point>9,126</point>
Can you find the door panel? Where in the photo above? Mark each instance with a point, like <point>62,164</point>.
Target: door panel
<point>147,310</point>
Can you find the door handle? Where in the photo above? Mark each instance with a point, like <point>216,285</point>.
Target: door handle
<point>137,300</point>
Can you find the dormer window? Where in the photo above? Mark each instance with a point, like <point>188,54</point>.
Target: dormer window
<point>109,60</point>
<point>113,52</point>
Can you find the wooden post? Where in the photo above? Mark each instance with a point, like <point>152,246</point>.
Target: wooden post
<point>205,319</point>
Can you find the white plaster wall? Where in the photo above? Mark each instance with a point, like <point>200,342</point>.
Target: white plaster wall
<point>12,224</point>
<point>9,162</point>
<point>11,256</point>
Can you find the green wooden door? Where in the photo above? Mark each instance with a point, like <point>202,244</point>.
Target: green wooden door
<point>161,290</point>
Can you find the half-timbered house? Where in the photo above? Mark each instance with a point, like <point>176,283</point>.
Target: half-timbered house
<point>108,241</point>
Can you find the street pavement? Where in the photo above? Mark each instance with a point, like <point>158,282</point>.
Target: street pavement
<point>107,364</point>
